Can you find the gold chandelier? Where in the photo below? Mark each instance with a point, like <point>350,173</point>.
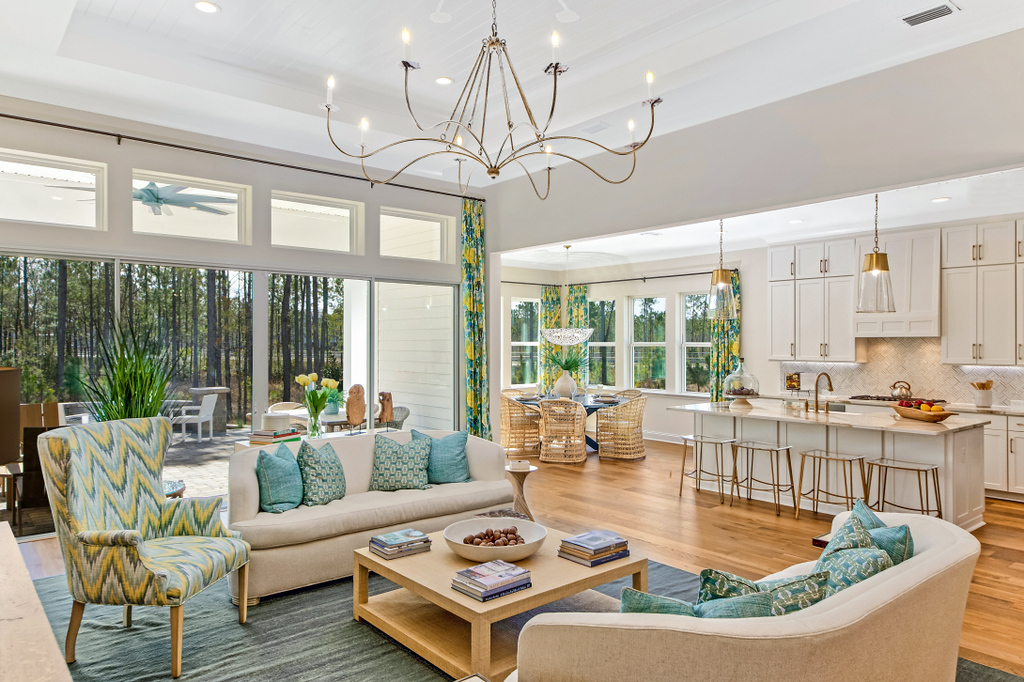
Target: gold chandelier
<point>462,134</point>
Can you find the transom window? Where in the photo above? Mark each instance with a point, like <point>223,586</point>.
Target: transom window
<point>310,222</point>
<point>50,190</point>
<point>525,336</point>
<point>648,342</point>
<point>176,206</point>
<point>412,234</point>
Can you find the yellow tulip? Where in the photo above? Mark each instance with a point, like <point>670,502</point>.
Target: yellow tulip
<point>313,377</point>
<point>330,383</point>
<point>302,380</point>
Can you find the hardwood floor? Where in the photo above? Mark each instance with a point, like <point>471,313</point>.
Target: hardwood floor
<point>641,500</point>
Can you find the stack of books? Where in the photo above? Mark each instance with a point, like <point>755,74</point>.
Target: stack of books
<point>400,543</point>
<point>593,548</point>
<point>268,437</point>
<point>494,579</point>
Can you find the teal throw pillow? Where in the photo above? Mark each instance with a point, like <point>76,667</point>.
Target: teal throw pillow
<point>634,601</point>
<point>897,541</point>
<point>866,516</point>
<point>447,462</point>
<point>788,594</point>
<point>279,479</point>
<point>748,606</point>
<point>399,467</point>
<point>323,477</point>
<point>851,535</point>
<point>848,567</point>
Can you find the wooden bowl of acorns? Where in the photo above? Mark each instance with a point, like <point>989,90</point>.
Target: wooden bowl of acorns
<point>922,410</point>
<point>487,539</point>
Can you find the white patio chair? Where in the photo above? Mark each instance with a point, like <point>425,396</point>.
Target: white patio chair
<point>197,414</point>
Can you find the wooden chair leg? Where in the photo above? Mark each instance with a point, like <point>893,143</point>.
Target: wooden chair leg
<point>177,624</point>
<point>126,615</point>
<point>77,609</point>
<point>243,592</point>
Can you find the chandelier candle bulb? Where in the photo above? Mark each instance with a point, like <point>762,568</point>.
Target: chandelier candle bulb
<point>406,47</point>
<point>554,47</point>
<point>632,131</point>
<point>364,125</point>
<point>650,85</point>
<point>330,91</point>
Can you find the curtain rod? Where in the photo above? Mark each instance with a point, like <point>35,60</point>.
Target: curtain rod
<point>226,155</point>
<point>614,281</point>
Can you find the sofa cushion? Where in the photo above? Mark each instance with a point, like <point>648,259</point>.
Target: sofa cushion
<point>850,566</point>
<point>788,594</point>
<point>323,477</point>
<point>279,479</point>
<point>635,601</point>
<point>447,462</point>
<point>370,511</point>
<point>399,467</point>
<point>758,604</point>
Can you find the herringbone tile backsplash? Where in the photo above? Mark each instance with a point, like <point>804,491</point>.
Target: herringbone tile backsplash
<point>919,362</point>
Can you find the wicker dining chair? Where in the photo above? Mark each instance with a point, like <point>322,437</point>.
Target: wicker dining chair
<point>512,392</point>
<point>620,430</point>
<point>562,439</point>
<point>629,394</point>
<point>520,428</point>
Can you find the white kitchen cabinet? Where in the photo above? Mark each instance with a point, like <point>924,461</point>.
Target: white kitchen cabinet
<point>959,316</point>
<point>997,328</point>
<point>810,319</point>
<point>1020,314</point>
<point>1020,241</point>
<point>1015,464</point>
<point>840,302</point>
<point>914,267</point>
<point>959,246</point>
<point>810,260</point>
<point>782,320</point>
<point>841,258</point>
<point>996,469</point>
<point>781,262</point>
<point>997,243</point>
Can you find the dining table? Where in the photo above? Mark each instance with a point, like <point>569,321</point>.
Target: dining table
<point>591,403</point>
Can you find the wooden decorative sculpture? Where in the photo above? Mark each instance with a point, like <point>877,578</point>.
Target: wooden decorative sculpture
<point>355,405</point>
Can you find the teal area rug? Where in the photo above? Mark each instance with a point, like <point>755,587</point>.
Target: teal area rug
<point>303,635</point>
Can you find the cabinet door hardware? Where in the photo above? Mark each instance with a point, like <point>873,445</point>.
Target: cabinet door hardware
<point>826,265</point>
<point>792,349</point>
<point>974,351</point>
<point>979,351</point>
<point>821,349</point>
<point>1018,351</point>
<point>821,266</point>
<point>974,252</point>
<point>979,251</point>
<point>826,350</point>
<point>792,268</point>
<point>1018,251</point>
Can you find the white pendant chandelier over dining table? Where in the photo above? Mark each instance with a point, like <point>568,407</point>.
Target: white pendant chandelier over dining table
<point>463,134</point>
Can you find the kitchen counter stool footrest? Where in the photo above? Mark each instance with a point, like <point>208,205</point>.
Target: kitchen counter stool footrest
<point>818,492</point>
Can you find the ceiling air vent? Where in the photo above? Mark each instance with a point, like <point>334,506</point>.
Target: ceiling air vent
<point>928,15</point>
<point>596,128</point>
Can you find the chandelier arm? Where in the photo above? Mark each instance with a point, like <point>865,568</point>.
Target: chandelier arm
<point>575,160</point>
<point>487,94</point>
<point>331,138</point>
<point>466,90</point>
<point>451,148</point>
<point>547,190</point>
<point>554,97</point>
<point>408,103</point>
<point>406,166</point>
<point>478,87</point>
<point>519,87</point>
<point>463,190</point>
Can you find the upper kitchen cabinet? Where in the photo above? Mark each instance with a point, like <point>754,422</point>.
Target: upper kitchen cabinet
<point>824,321</point>
<point>833,258</point>
<point>781,263</point>
<point>978,315</point>
<point>985,244</point>
<point>782,320</point>
<point>914,270</point>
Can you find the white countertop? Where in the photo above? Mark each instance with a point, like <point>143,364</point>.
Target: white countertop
<point>772,410</point>
<point>1004,410</point>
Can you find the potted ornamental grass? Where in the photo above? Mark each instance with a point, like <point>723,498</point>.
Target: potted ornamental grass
<point>569,360</point>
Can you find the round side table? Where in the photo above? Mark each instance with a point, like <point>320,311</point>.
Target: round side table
<point>519,481</point>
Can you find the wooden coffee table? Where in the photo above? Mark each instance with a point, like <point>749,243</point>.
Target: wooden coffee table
<point>453,631</point>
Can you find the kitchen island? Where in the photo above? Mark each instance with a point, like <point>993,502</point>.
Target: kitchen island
<point>956,445</point>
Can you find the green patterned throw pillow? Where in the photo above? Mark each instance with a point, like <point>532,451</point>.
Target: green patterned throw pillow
<point>634,601</point>
<point>848,567</point>
<point>788,594</point>
<point>399,467</point>
<point>279,479</point>
<point>323,477</point>
<point>897,541</point>
<point>447,462</point>
<point>851,535</point>
<point>866,516</point>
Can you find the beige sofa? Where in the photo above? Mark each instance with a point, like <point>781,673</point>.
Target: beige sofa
<point>310,545</point>
<point>902,625</point>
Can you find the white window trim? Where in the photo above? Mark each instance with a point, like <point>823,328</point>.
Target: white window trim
<point>601,344</point>
<point>356,224</point>
<point>64,163</point>
<point>529,344</point>
<point>684,344</point>
<point>244,192</point>
<point>646,344</point>
<point>449,240</point>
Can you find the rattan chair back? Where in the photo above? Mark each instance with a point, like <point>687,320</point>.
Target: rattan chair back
<point>562,439</point>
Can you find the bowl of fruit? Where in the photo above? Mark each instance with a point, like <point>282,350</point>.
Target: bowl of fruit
<point>922,410</point>
<point>485,539</point>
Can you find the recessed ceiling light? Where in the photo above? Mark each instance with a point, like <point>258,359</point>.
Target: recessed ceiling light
<point>444,80</point>
<point>208,7</point>
<point>939,200</point>
<point>795,222</point>
<point>57,198</point>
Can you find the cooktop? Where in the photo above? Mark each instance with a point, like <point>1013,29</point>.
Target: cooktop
<point>889,398</point>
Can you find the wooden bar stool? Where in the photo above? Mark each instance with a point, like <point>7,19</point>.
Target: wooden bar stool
<point>820,460</point>
<point>699,473</point>
<point>749,448</point>
<point>921,470</point>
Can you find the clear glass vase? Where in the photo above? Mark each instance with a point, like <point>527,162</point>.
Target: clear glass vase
<point>741,384</point>
<point>314,428</point>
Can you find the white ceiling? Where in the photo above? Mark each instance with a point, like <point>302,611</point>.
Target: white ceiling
<point>254,72</point>
<point>973,198</point>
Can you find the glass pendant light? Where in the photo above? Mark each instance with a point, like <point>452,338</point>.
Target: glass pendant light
<point>566,336</point>
<point>721,301</point>
<point>876,295</point>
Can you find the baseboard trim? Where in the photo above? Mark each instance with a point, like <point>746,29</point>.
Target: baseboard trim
<point>662,437</point>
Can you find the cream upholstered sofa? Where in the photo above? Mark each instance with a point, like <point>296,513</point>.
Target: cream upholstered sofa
<point>310,545</point>
<point>902,625</point>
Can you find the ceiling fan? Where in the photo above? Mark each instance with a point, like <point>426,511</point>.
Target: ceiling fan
<point>160,199</point>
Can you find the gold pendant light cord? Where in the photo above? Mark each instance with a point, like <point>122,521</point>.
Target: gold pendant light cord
<point>721,232</point>
<point>875,250</point>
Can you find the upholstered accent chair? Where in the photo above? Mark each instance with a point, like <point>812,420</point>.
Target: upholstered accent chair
<point>620,430</point>
<point>123,543</point>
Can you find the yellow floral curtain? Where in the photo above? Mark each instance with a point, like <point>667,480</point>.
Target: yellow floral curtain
<point>579,316</point>
<point>478,412</point>
<point>550,318</point>
<point>725,345</point>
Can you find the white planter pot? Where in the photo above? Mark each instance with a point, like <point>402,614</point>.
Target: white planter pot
<point>565,387</point>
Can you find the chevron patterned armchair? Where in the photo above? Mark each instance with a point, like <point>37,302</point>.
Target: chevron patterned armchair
<point>122,542</point>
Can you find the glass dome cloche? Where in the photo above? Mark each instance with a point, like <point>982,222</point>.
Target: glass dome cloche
<point>740,385</point>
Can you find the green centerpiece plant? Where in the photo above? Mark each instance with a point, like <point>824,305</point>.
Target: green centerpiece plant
<point>569,360</point>
<point>316,399</point>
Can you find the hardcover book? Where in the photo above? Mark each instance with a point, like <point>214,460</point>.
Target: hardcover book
<point>595,540</point>
<point>399,538</point>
